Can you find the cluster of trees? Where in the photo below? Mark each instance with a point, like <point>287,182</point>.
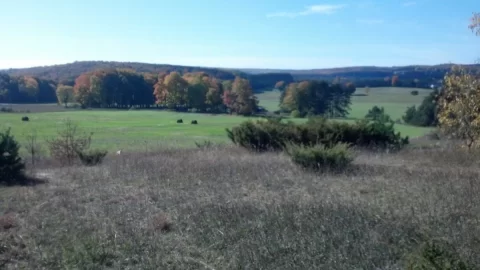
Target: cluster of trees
<point>26,89</point>
<point>424,115</point>
<point>204,93</point>
<point>114,88</point>
<point>316,98</point>
<point>124,88</point>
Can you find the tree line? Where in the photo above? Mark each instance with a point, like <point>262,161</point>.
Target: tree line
<point>26,89</point>
<point>125,88</point>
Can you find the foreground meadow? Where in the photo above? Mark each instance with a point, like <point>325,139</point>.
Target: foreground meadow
<point>225,208</point>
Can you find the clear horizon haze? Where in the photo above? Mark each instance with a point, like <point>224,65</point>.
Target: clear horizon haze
<point>239,34</point>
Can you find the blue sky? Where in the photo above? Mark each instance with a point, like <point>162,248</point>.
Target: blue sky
<point>239,33</point>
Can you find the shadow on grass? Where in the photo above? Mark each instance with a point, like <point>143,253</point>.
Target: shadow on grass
<point>25,180</point>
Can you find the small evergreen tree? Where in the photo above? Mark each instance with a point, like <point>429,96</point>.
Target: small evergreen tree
<point>11,165</point>
<point>378,114</point>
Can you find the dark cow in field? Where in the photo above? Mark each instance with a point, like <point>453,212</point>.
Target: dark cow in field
<point>25,118</point>
<point>179,121</point>
<point>194,122</point>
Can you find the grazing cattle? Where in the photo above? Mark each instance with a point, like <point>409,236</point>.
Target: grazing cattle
<point>25,118</point>
<point>194,122</point>
<point>119,152</point>
<point>179,121</point>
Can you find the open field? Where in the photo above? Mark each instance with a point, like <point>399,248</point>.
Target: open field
<point>229,209</point>
<point>396,100</point>
<point>150,129</point>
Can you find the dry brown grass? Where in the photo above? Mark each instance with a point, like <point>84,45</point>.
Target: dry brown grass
<point>230,209</point>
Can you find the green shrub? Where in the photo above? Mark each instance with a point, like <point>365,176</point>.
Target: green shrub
<point>436,255</point>
<point>414,93</point>
<point>424,115</point>
<point>378,114</point>
<point>296,114</point>
<point>91,157</point>
<point>320,157</point>
<point>263,135</point>
<point>11,165</point>
<point>275,135</point>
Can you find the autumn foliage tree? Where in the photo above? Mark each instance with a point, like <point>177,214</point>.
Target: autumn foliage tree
<point>65,94</point>
<point>239,98</point>
<point>394,80</point>
<point>197,91</point>
<point>459,106</point>
<point>280,85</point>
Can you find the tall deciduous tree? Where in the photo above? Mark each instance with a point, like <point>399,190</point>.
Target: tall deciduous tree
<point>28,86</point>
<point>240,98</point>
<point>65,94</point>
<point>197,93</point>
<point>394,80</point>
<point>81,89</point>
<point>459,106</point>
<point>213,98</point>
<point>177,90</point>
<point>280,85</point>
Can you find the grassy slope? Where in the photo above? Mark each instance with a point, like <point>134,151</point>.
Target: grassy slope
<point>234,210</point>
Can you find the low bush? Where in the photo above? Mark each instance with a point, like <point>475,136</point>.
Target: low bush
<point>6,109</point>
<point>414,93</point>
<point>91,157</point>
<point>320,157</point>
<point>69,142</point>
<point>436,254</point>
<point>11,165</point>
<point>204,145</point>
<point>296,114</point>
<point>267,135</point>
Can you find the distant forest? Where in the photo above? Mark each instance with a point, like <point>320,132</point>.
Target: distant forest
<point>39,84</point>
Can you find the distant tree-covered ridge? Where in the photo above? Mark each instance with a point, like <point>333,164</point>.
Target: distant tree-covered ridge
<point>67,73</point>
<point>405,76</point>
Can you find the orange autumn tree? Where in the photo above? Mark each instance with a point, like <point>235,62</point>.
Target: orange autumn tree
<point>239,98</point>
<point>280,85</point>
<point>394,80</point>
<point>28,86</point>
<point>160,90</point>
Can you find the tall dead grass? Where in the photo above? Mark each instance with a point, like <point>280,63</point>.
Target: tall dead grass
<point>230,209</point>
